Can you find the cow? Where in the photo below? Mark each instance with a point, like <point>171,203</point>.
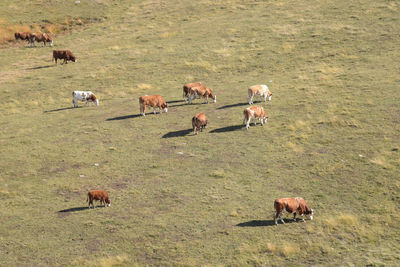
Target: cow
<point>155,101</point>
<point>201,91</point>
<point>86,96</point>
<point>41,37</point>
<point>65,55</point>
<point>199,122</point>
<point>292,205</point>
<point>27,36</point>
<point>260,90</point>
<point>100,195</point>
<point>188,86</point>
<point>254,112</point>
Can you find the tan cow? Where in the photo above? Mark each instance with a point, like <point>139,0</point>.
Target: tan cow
<point>199,122</point>
<point>260,90</point>
<point>201,91</point>
<point>254,112</point>
<point>292,205</point>
<point>188,86</point>
<point>155,101</point>
<point>99,195</point>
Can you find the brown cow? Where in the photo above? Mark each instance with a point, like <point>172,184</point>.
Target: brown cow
<point>292,205</point>
<point>41,37</point>
<point>201,91</point>
<point>155,101</point>
<point>254,112</point>
<point>63,54</point>
<point>188,86</point>
<point>23,36</point>
<point>199,122</point>
<point>100,195</point>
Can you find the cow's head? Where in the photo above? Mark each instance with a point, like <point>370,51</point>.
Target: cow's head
<point>94,99</point>
<point>72,58</point>
<point>210,94</point>
<point>108,201</point>
<point>265,118</point>
<point>269,96</point>
<point>165,107</point>
<point>309,212</point>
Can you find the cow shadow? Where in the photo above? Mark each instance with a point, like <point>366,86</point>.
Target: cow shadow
<point>175,101</point>
<point>228,129</point>
<point>234,105</point>
<point>261,223</point>
<point>185,104</point>
<point>74,209</point>
<point>41,67</point>
<point>179,133</point>
<point>126,117</point>
<point>60,109</point>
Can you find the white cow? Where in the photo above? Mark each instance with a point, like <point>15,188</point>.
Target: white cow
<point>86,96</point>
<point>261,90</point>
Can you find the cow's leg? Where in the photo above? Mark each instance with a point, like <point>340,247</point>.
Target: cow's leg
<point>154,110</point>
<point>294,216</point>
<point>75,102</point>
<point>280,217</point>
<point>276,215</point>
<point>248,123</point>
<point>302,218</point>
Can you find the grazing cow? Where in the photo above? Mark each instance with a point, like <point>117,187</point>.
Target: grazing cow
<point>292,205</point>
<point>254,112</point>
<point>155,101</point>
<point>199,122</point>
<point>100,195</point>
<point>27,36</point>
<point>41,37</point>
<point>260,90</point>
<point>65,55</point>
<point>86,96</point>
<point>201,91</point>
<point>188,86</point>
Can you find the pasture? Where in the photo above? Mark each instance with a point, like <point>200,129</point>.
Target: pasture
<point>181,200</point>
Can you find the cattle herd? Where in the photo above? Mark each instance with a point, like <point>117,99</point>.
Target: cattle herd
<point>191,91</point>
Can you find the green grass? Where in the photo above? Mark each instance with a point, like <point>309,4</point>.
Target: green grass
<point>179,199</point>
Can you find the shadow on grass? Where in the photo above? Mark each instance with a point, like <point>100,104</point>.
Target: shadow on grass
<point>125,117</point>
<point>228,129</point>
<point>175,101</point>
<point>259,223</point>
<point>40,67</point>
<point>59,109</point>
<point>177,133</point>
<point>233,105</point>
<point>74,209</point>
<point>184,104</point>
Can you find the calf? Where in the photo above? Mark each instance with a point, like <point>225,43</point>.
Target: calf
<point>63,54</point>
<point>199,122</point>
<point>41,37</point>
<point>291,205</point>
<point>86,96</point>
<point>254,112</point>
<point>155,101</point>
<point>99,195</point>
<point>188,86</point>
<point>260,90</point>
<point>201,91</point>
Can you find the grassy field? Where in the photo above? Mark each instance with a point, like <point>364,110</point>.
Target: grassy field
<point>182,200</point>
